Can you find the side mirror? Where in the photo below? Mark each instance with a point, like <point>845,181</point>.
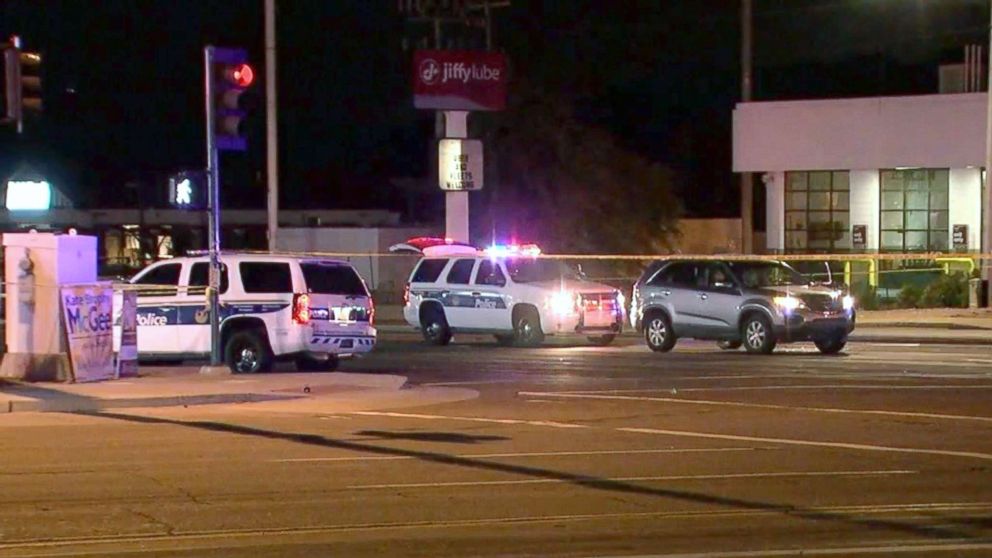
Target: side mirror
<point>582,273</point>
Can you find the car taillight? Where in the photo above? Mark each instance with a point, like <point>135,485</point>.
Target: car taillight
<point>406,294</point>
<point>301,309</point>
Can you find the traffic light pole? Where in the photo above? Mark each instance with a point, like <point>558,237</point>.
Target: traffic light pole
<point>213,203</point>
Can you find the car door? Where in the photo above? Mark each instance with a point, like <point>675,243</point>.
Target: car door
<point>193,314</point>
<point>459,300</point>
<point>718,298</point>
<point>673,289</point>
<point>492,304</point>
<point>157,308</point>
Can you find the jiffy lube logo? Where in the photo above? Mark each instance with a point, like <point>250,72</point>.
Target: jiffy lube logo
<point>88,313</point>
<point>460,71</point>
<point>429,71</point>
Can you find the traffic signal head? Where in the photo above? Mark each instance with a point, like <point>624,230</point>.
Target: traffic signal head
<point>22,78</point>
<point>230,77</point>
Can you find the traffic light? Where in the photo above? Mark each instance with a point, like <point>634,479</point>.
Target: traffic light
<point>22,78</point>
<point>230,76</point>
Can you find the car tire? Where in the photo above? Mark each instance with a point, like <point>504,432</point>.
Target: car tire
<point>434,327</point>
<point>831,345</point>
<point>248,352</point>
<point>729,345</point>
<point>310,364</point>
<point>504,340</point>
<point>757,335</point>
<point>658,333</point>
<point>527,329</point>
<point>602,340</point>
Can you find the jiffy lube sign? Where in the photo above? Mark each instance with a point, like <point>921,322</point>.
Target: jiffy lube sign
<point>459,80</point>
<point>87,313</point>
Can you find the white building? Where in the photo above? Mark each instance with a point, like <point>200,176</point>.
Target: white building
<point>882,174</point>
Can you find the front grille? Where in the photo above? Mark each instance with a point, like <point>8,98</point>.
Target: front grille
<point>823,303</point>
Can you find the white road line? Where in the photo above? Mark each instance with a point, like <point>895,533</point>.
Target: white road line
<point>549,423</point>
<point>813,443</point>
<point>789,474</point>
<point>757,406</point>
<point>898,548</point>
<point>519,454</point>
<point>838,386</point>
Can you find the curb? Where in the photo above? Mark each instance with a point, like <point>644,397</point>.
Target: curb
<point>924,325</point>
<point>882,339</point>
<point>84,405</point>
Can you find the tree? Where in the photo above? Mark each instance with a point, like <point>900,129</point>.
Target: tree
<point>569,186</point>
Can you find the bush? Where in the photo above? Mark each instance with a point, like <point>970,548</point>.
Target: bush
<point>948,291</point>
<point>909,296</point>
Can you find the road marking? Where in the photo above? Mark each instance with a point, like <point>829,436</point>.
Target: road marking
<point>519,454</point>
<point>75,543</point>
<point>873,344</point>
<point>789,474</point>
<point>838,386</point>
<point>549,423</point>
<point>813,443</point>
<point>898,548</point>
<point>568,395</point>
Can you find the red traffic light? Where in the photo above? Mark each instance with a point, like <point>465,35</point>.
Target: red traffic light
<point>241,75</point>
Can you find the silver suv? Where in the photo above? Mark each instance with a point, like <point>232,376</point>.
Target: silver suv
<point>754,303</point>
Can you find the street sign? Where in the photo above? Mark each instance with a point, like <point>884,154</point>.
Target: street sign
<point>188,189</point>
<point>959,238</point>
<point>859,236</point>
<point>460,164</point>
<point>459,80</point>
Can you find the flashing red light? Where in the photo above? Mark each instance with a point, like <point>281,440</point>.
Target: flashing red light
<point>241,75</point>
<point>301,309</point>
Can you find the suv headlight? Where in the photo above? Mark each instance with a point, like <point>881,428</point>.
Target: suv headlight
<point>788,303</point>
<point>848,302</point>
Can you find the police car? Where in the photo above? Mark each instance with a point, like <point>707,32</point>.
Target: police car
<point>271,307</point>
<point>507,291</point>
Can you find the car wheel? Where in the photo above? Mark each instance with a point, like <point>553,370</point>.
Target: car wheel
<point>658,333</point>
<point>435,327</point>
<point>602,340</point>
<point>758,335</point>
<point>504,340</point>
<point>729,345</point>
<point>248,352</point>
<point>831,345</point>
<point>527,329</point>
<point>310,364</point>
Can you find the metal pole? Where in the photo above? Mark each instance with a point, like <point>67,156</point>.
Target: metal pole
<point>986,247</point>
<point>213,219</point>
<point>272,135</point>
<point>747,185</point>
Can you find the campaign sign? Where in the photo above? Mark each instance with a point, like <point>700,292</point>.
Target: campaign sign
<point>87,314</point>
<point>127,354</point>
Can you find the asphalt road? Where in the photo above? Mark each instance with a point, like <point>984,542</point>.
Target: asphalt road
<point>569,450</point>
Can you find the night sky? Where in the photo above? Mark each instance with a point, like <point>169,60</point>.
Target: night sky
<point>124,105</point>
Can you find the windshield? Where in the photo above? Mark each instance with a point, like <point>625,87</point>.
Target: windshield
<point>767,274</point>
<point>530,270</point>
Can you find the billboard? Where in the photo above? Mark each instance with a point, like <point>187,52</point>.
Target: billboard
<point>459,80</point>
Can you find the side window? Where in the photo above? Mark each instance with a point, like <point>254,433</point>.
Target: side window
<point>461,272</point>
<point>166,274</point>
<point>266,277</point>
<point>719,279</point>
<point>490,274</point>
<point>429,270</point>
<point>199,278</point>
<point>679,274</point>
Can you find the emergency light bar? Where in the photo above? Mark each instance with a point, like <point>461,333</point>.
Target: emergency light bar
<point>513,250</point>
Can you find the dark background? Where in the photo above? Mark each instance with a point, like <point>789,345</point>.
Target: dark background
<point>124,105</point>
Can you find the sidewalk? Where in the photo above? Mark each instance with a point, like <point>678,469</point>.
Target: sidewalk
<point>931,325</point>
<point>184,386</point>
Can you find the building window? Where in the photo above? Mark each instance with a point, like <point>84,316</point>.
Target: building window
<point>817,211</point>
<point>913,216</point>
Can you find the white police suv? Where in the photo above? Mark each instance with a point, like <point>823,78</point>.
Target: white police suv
<point>507,291</point>
<point>271,307</point>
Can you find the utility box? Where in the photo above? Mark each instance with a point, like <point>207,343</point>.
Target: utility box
<point>35,266</point>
